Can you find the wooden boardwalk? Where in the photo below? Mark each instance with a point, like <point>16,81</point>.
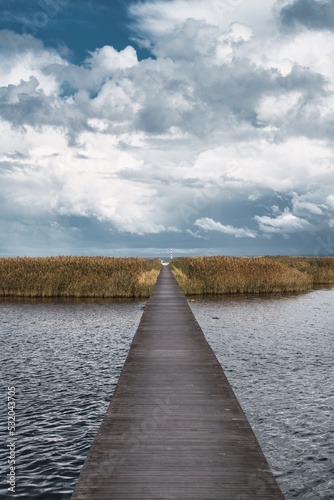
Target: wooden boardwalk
<point>174,428</point>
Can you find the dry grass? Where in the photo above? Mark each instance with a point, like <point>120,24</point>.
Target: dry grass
<point>320,269</point>
<point>149,278</point>
<point>228,275</point>
<point>77,277</point>
<point>134,277</point>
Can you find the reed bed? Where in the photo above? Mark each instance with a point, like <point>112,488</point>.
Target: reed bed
<point>320,269</point>
<point>77,277</point>
<point>232,275</point>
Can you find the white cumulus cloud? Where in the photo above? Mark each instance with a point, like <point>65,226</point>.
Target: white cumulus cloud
<point>284,223</point>
<point>210,225</point>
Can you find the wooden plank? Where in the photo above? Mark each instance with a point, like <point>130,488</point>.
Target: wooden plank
<point>174,428</point>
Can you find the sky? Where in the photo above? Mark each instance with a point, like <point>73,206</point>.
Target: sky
<point>129,128</point>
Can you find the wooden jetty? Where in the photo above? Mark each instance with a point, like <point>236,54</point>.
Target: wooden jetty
<point>174,428</point>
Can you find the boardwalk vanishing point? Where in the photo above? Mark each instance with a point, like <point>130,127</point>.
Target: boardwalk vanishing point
<point>174,428</point>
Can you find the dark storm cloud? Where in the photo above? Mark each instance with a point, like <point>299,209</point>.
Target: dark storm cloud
<point>309,13</point>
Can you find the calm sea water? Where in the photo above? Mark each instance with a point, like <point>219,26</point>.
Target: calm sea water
<point>64,359</point>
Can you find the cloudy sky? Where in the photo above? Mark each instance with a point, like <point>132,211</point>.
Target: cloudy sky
<point>129,128</point>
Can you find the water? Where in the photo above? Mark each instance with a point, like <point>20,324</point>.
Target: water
<point>64,358</point>
<point>278,354</point>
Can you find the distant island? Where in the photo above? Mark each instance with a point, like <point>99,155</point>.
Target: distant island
<point>106,277</point>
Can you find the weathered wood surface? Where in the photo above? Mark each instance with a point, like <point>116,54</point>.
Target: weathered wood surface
<point>174,428</point>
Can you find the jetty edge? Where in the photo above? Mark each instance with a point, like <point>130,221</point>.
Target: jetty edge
<point>174,428</point>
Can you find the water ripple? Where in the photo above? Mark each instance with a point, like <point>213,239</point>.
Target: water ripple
<point>64,358</point>
<point>277,352</point>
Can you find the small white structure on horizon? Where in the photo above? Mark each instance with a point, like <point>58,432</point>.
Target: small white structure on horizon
<point>171,254</point>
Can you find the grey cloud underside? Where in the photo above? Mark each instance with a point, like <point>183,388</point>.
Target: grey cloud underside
<point>25,104</point>
<point>312,14</point>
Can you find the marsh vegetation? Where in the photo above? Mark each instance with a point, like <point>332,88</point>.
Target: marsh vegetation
<point>135,277</point>
<point>77,277</point>
<point>228,275</point>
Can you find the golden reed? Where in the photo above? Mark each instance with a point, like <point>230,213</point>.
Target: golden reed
<point>135,277</point>
<point>77,277</point>
<point>229,275</point>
